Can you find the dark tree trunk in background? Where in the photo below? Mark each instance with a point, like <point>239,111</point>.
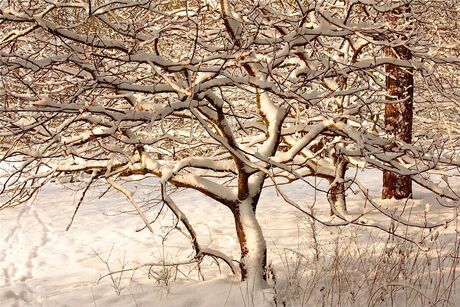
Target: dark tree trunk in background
<point>398,111</point>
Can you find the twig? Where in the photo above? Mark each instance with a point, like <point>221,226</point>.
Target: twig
<point>93,177</point>
<point>129,196</point>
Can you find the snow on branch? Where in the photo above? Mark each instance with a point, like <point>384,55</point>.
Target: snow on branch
<point>219,100</point>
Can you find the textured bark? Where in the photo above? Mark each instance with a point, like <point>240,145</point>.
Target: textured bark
<point>242,240</point>
<point>398,113</point>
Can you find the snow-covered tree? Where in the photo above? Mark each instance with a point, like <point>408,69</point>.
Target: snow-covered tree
<point>220,97</point>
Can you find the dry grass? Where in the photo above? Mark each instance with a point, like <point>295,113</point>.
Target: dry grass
<point>356,267</point>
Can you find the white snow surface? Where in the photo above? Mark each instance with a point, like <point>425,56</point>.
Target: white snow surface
<point>41,264</point>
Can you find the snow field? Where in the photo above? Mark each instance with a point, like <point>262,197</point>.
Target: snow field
<point>43,265</point>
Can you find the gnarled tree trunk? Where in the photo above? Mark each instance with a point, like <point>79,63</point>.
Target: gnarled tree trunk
<point>252,242</point>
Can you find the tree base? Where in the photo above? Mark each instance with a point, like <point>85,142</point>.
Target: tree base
<point>396,186</point>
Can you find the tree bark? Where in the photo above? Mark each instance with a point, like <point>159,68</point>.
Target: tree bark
<point>398,112</point>
<point>252,243</point>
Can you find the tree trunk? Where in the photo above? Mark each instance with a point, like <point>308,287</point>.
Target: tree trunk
<point>252,243</point>
<point>398,112</point>
<point>337,188</point>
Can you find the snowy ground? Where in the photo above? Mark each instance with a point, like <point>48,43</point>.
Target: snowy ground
<point>41,264</point>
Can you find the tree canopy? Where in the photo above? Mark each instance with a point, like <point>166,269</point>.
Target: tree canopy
<point>223,98</point>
